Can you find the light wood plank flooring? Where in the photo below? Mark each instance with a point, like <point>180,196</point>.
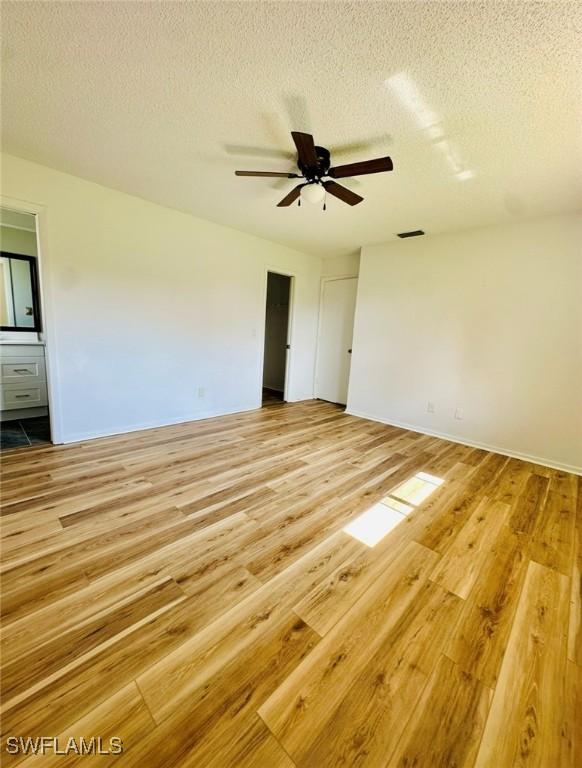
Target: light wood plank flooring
<point>192,591</point>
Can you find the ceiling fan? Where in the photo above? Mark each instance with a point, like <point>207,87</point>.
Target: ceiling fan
<point>314,164</point>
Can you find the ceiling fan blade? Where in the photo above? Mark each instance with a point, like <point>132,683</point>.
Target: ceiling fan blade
<point>378,165</point>
<point>268,173</point>
<point>306,153</point>
<point>291,197</point>
<point>344,194</point>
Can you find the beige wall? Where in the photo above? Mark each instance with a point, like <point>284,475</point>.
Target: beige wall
<point>341,266</point>
<point>155,316</point>
<point>488,321</point>
<point>17,241</point>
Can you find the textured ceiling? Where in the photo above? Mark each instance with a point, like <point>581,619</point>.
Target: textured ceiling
<point>479,106</point>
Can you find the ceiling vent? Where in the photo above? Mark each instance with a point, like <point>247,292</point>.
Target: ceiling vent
<point>412,233</point>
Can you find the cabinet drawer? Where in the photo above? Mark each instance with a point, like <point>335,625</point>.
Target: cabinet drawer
<point>22,371</point>
<point>8,351</point>
<point>22,396</point>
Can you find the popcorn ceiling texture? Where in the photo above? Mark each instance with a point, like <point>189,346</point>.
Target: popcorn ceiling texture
<point>477,103</point>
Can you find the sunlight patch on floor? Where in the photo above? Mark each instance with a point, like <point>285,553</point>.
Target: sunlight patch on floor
<point>399,506</point>
<point>375,523</point>
<point>417,488</point>
<point>371,526</point>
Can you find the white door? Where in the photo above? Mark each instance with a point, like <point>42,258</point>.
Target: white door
<point>335,339</point>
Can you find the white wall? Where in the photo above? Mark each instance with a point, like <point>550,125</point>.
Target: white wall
<point>487,320</point>
<point>347,265</point>
<point>146,305</point>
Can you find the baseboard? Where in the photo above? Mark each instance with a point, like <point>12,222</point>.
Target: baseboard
<point>472,444</point>
<point>128,429</point>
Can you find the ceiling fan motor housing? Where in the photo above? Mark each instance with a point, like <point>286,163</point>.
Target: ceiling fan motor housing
<point>316,172</point>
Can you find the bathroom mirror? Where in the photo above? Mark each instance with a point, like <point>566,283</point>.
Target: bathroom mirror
<point>19,305</point>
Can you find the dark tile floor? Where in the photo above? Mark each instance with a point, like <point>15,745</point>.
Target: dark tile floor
<point>25,432</point>
<point>271,397</point>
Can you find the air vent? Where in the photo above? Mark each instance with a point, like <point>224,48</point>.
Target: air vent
<point>412,233</point>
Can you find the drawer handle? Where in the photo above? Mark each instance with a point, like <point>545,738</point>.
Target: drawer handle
<point>22,370</point>
<point>20,397</point>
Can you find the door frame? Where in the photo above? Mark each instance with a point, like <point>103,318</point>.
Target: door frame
<point>48,332</point>
<point>292,276</point>
<point>324,281</point>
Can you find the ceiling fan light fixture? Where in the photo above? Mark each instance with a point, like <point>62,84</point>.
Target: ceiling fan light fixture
<point>314,164</point>
<point>313,193</point>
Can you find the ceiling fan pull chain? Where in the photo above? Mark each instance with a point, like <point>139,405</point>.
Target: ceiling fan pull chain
<point>325,200</point>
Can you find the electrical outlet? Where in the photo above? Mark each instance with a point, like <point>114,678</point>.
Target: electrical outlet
<point>459,413</point>
<point>201,392</point>
<point>430,407</point>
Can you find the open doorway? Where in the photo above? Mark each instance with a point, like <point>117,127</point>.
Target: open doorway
<point>24,413</point>
<point>276,351</point>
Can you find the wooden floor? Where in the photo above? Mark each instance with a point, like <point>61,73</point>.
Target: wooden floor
<point>190,589</point>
